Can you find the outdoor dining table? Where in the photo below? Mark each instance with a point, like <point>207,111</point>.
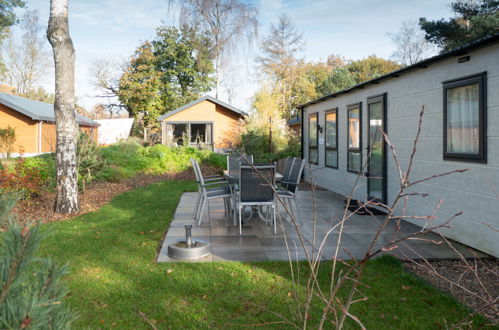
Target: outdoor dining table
<point>235,178</point>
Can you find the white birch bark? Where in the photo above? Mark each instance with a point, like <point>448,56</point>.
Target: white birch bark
<point>64,108</point>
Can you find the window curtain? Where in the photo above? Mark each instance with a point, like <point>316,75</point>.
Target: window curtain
<point>208,134</point>
<point>354,129</point>
<point>462,119</point>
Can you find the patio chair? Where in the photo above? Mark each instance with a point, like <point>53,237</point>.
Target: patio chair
<point>291,185</point>
<point>254,190</point>
<point>212,180</point>
<point>233,162</point>
<point>207,192</point>
<point>286,169</point>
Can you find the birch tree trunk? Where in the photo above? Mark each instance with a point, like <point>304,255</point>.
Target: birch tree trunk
<point>64,108</point>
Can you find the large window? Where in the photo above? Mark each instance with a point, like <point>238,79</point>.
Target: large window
<point>331,145</point>
<point>354,151</point>
<point>464,119</point>
<point>199,134</point>
<point>313,138</point>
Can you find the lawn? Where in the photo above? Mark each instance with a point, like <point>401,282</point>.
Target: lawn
<point>115,281</point>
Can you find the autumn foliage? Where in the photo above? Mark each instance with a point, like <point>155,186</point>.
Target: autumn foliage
<point>22,178</point>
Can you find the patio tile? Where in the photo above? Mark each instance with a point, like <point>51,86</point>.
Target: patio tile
<point>258,242</point>
<point>244,255</point>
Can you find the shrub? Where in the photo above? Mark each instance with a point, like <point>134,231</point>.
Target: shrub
<point>256,143</point>
<point>89,157</point>
<point>126,158</point>
<point>45,165</point>
<point>21,178</point>
<point>7,139</point>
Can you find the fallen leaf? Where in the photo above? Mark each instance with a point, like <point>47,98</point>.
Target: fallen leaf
<point>405,287</point>
<point>169,271</point>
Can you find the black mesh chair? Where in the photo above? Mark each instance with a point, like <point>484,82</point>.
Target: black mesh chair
<point>291,185</point>
<point>255,190</point>
<point>287,167</point>
<point>233,162</point>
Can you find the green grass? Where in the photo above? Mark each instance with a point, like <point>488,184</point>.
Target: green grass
<point>114,277</point>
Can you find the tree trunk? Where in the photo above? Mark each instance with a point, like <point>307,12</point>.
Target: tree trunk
<point>64,108</point>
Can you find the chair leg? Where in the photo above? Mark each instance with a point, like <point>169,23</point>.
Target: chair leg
<point>196,215</point>
<point>209,211</point>
<point>234,221</point>
<point>201,211</point>
<point>197,204</point>
<point>274,219</point>
<point>240,221</point>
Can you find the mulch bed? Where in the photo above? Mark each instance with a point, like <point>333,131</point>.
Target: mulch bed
<point>96,195</point>
<point>486,284</point>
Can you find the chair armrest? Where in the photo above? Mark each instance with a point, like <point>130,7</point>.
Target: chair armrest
<point>214,179</point>
<point>287,182</point>
<point>212,176</point>
<point>213,183</point>
<point>221,183</point>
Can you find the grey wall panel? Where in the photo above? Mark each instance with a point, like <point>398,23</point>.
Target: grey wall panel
<point>474,192</point>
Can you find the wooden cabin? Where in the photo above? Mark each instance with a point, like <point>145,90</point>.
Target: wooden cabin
<point>206,122</point>
<point>34,124</point>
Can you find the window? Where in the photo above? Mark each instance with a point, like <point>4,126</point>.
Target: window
<point>331,145</point>
<point>313,138</point>
<point>354,151</point>
<point>464,119</point>
<point>196,133</point>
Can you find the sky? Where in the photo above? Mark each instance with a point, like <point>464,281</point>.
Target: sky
<point>354,29</point>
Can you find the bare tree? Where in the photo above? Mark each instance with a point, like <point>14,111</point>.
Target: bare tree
<point>228,23</point>
<point>279,60</point>
<point>280,47</point>
<point>64,108</point>
<point>411,45</point>
<point>26,61</point>
<point>230,85</point>
<point>105,77</point>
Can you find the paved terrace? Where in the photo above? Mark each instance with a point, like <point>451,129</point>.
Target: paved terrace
<point>258,243</point>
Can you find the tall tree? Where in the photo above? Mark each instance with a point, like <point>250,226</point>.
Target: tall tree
<point>410,44</point>
<point>139,86</point>
<point>370,68</point>
<point>184,65</point>
<point>64,108</point>
<point>27,60</point>
<point>228,23</point>
<point>280,47</point>
<point>279,60</point>
<point>7,19</point>
<point>473,19</point>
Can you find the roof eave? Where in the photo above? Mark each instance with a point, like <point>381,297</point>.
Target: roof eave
<point>477,44</point>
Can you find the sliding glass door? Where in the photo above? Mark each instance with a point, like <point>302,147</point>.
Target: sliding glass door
<point>376,166</point>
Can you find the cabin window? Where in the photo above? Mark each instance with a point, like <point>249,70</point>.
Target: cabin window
<point>331,134</point>
<point>196,133</point>
<point>464,119</point>
<point>313,137</point>
<point>354,151</point>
